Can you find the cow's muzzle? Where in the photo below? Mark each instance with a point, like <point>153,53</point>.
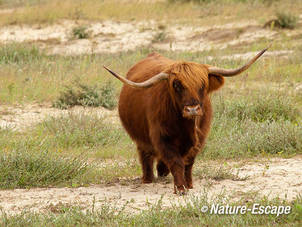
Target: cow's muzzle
<point>192,111</point>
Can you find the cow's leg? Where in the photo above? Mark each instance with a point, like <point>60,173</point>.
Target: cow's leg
<point>177,167</point>
<point>168,152</point>
<point>146,159</point>
<point>189,161</point>
<point>162,169</point>
<point>188,173</point>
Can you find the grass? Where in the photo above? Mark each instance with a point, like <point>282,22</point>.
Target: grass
<point>33,76</point>
<point>242,128</point>
<point>19,54</point>
<point>260,106</point>
<point>64,151</point>
<point>188,214</point>
<point>254,115</point>
<point>217,173</point>
<point>20,169</point>
<point>262,123</point>
<point>74,131</point>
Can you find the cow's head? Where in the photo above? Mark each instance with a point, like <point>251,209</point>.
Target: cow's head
<point>189,83</point>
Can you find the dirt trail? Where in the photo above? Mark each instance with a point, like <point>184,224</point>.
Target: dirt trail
<point>275,177</point>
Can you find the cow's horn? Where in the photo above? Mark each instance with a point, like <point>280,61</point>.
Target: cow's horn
<point>234,72</point>
<point>148,83</point>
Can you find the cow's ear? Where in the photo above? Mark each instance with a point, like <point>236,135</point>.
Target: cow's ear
<point>215,82</point>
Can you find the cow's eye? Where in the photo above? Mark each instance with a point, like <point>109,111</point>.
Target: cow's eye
<point>200,91</point>
<point>177,86</point>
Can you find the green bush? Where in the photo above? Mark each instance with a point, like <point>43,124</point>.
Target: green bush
<point>80,32</point>
<point>287,20</point>
<point>85,95</point>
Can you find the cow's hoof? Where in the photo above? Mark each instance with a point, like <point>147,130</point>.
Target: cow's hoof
<point>180,190</point>
<point>190,186</point>
<point>147,181</point>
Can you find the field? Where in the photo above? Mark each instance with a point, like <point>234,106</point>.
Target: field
<point>65,159</point>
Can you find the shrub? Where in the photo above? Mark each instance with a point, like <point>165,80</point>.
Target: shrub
<point>80,32</point>
<point>159,37</point>
<point>287,20</point>
<point>85,95</point>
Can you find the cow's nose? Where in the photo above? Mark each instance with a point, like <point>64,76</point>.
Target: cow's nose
<point>190,111</point>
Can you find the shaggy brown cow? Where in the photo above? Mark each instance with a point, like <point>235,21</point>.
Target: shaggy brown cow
<point>165,108</point>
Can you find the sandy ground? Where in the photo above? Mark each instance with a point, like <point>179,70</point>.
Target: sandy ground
<point>273,178</point>
<point>21,117</point>
<point>111,37</point>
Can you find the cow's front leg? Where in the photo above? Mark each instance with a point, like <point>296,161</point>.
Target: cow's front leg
<point>188,175</point>
<point>177,169</point>
<point>189,160</point>
<point>169,154</point>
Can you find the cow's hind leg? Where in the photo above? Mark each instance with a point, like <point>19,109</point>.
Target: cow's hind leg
<point>162,169</point>
<point>146,158</point>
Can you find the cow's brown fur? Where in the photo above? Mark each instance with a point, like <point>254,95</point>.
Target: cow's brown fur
<point>153,116</point>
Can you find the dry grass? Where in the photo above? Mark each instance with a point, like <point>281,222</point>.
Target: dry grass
<point>206,13</point>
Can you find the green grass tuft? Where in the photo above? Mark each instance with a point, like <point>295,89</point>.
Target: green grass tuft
<point>22,168</point>
<point>19,54</point>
